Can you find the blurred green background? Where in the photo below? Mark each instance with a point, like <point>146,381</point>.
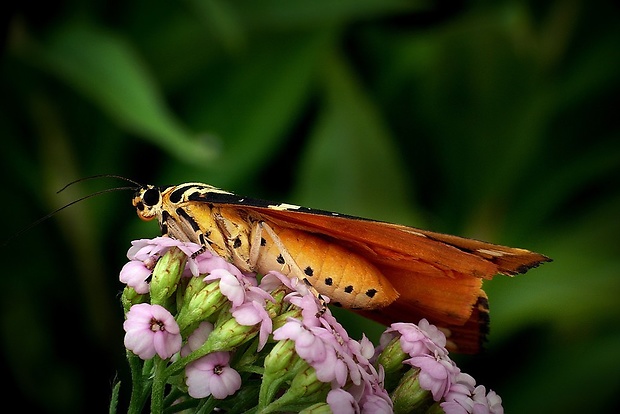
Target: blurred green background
<point>487,119</point>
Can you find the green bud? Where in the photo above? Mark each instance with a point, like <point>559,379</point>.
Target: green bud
<point>130,298</point>
<point>318,408</point>
<point>306,385</point>
<point>278,306</point>
<point>228,334</point>
<point>305,390</point>
<point>279,361</point>
<point>281,365</point>
<point>392,357</point>
<point>409,397</point>
<point>166,275</point>
<point>199,301</point>
<point>435,409</point>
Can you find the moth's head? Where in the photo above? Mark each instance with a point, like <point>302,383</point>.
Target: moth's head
<point>147,201</point>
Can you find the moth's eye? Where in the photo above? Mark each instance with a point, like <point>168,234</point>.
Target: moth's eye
<point>150,197</point>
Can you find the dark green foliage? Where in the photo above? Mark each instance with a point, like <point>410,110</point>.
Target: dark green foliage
<point>494,120</point>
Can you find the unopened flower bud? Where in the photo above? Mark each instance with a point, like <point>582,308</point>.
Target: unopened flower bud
<point>130,297</point>
<point>166,275</point>
<point>278,305</point>
<point>279,361</point>
<point>409,397</point>
<point>200,300</point>
<point>392,357</point>
<point>281,364</point>
<point>305,390</point>
<point>318,408</point>
<point>229,334</point>
<point>306,387</point>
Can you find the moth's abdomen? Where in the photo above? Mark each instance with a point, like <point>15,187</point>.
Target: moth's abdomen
<point>346,278</point>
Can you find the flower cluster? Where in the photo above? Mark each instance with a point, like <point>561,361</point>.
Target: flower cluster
<point>422,347</point>
<point>202,335</point>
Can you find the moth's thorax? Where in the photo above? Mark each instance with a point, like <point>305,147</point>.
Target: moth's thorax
<point>185,213</point>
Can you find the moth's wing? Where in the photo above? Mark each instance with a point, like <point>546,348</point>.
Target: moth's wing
<point>409,248</point>
<point>438,276</point>
<point>400,246</point>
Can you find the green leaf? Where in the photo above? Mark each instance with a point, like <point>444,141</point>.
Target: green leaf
<point>351,163</point>
<point>250,105</point>
<point>104,67</point>
<point>309,13</point>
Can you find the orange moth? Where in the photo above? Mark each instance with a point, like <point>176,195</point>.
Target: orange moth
<point>388,272</point>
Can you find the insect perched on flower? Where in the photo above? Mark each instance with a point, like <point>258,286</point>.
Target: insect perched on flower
<point>388,272</point>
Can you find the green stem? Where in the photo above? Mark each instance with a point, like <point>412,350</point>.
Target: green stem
<point>180,363</point>
<point>159,382</point>
<point>207,406</point>
<point>114,398</point>
<point>139,386</point>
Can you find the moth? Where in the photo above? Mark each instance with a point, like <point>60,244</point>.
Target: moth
<point>387,272</point>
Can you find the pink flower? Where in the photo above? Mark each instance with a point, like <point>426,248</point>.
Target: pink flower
<point>328,349</point>
<point>341,401</point>
<point>149,250</point>
<point>314,346</point>
<point>144,249</point>
<point>252,313</point>
<point>493,401</point>
<point>134,274</point>
<point>344,366</point>
<point>373,398</point>
<point>150,330</point>
<point>272,280</point>
<point>230,285</point>
<point>476,402</point>
<point>462,388</point>
<point>437,373</point>
<point>321,341</point>
<point>237,287</point>
<point>211,375</point>
<point>206,263</point>
<point>307,345</point>
<point>414,340</point>
<point>197,338</point>
<point>432,332</point>
<point>375,404</point>
<point>366,348</point>
<point>248,300</point>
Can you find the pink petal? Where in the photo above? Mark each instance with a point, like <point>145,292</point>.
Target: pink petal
<point>341,401</point>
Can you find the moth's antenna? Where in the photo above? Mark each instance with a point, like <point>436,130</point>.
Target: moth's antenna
<point>92,177</point>
<point>108,190</point>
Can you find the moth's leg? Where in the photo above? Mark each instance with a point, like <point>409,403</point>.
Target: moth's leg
<point>256,245</point>
<point>204,246</point>
<point>183,231</point>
